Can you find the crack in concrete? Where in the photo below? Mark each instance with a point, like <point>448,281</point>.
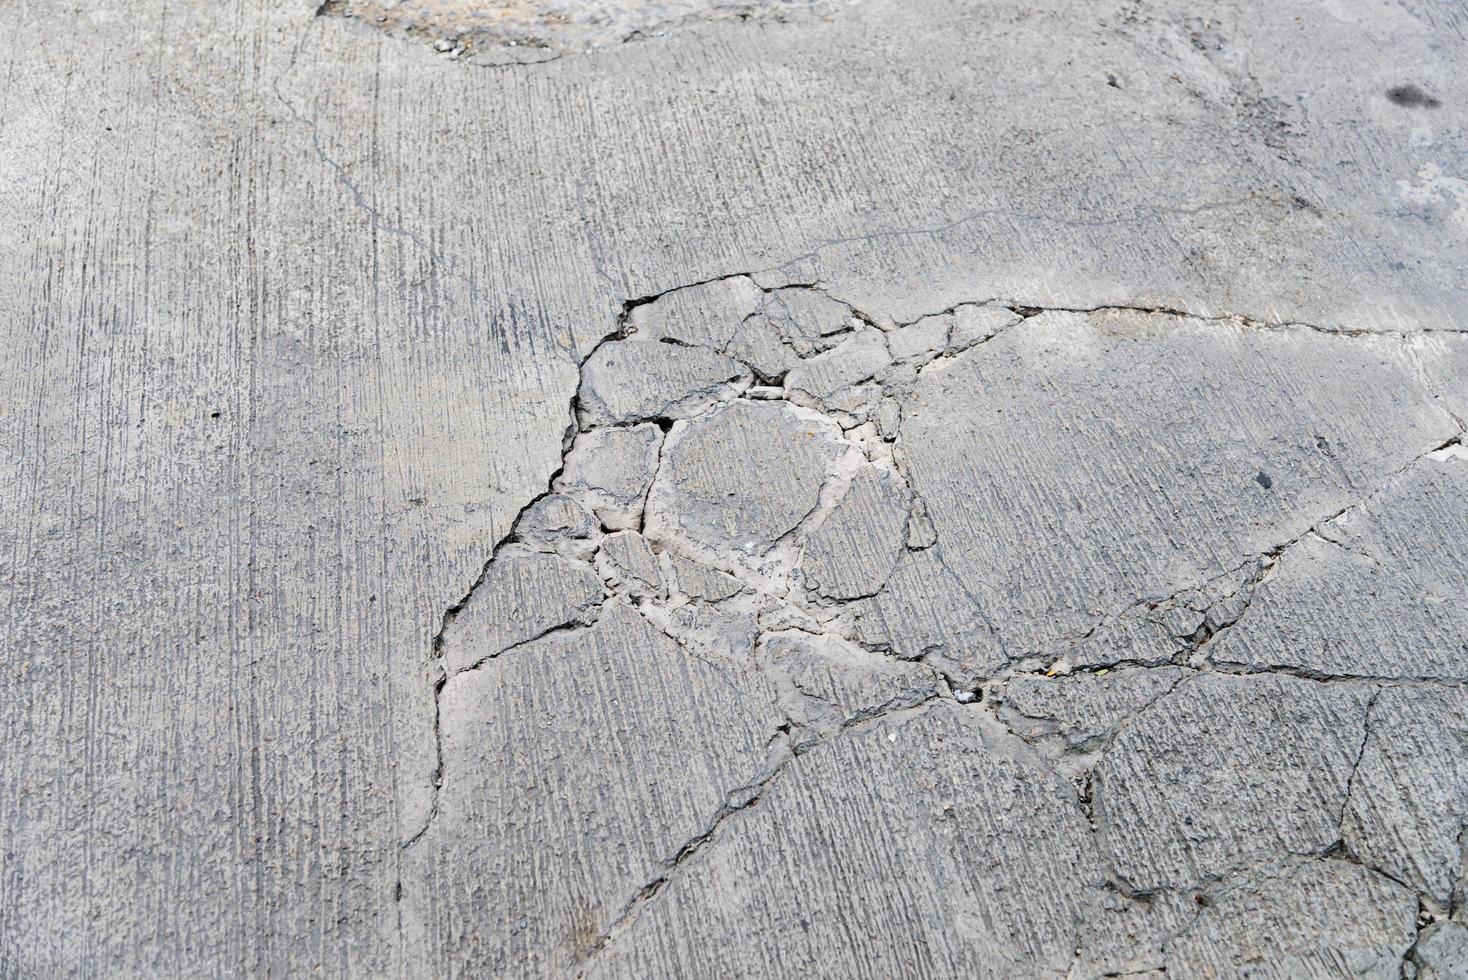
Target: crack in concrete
<point>1356,766</point>
<point>1266,562</point>
<point>822,617</point>
<point>737,801</point>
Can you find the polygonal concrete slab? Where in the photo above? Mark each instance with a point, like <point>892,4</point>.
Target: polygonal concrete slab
<point>742,476</point>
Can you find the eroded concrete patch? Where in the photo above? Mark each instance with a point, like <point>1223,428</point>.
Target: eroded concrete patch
<point>521,31</point>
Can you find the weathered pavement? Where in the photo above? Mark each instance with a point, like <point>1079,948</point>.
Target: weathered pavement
<point>880,489</point>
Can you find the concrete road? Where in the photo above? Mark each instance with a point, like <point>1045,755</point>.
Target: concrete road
<point>734,488</point>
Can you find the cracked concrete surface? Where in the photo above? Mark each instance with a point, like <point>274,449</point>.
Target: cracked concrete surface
<point>858,489</point>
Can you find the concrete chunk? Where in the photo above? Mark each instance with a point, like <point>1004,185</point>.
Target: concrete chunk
<point>629,564</point>
<point>698,581</point>
<point>707,315</point>
<point>855,549</point>
<point>1442,952</point>
<point>926,338</point>
<point>1409,797</point>
<point>742,476</point>
<point>972,324</point>
<point>806,319</point>
<point>857,358</point>
<point>636,381</point>
<point>612,468</point>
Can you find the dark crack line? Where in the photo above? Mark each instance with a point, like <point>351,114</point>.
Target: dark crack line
<point>574,409</point>
<point>560,629</point>
<point>441,682</point>
<point>739,800</point>
<point>736,801</point>
<point>1355,768</point>
<point>1266,560</point>
<point>451,614</point>
<point>1321,677</point>
<point>1241,319</point>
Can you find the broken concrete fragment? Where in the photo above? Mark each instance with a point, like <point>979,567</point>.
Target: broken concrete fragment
<point>974,323</point>
<point>628,563</point>
<point>887,415</point>
<point>857,358</point>
<point>765,392</point>
<point>1320,918</point>
<point>742,476</point>
<point>912,846</point>
<point>827,682</point>
<point>1061,495</point>
<point>534,745</point>
<point>558,521</point>
<point>1441,952</point>
<point>856,547</point>
<point>776,617</point>
<point>920,531</point>
<point>1409,796</point>
<point>707,315</point>
<point>769,332</point>
<point>612,469</point>
<point>711,631</point>
<point>1082,710</point>
<point>850,405</point>
<point>698,581</point>
<point>1227,771</point>
<point>806,319</point>
<point>758,343</point>
<point>923,609</point>
<point>897,379</point>
<point>524,594</point>
<point>637,380</point>
<point>925,338</point>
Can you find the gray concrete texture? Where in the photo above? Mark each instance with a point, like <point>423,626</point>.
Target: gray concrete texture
<point>899,488</point>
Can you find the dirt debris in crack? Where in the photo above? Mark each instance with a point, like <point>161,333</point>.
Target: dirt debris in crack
<point>738,490</point>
